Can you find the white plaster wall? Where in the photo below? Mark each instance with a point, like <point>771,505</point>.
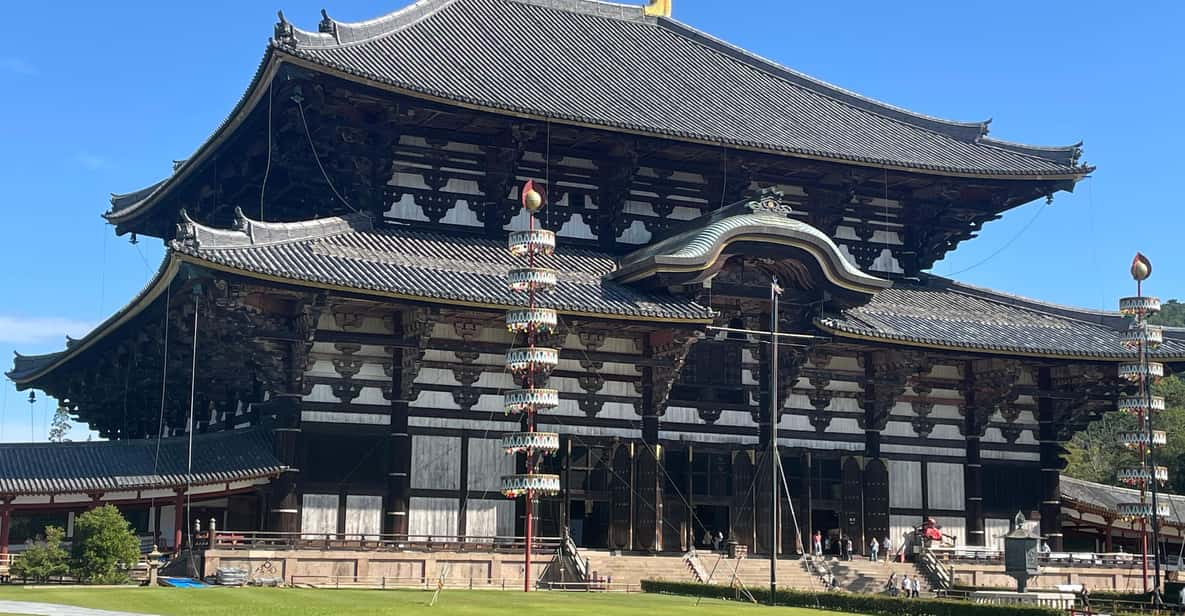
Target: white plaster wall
<point>489,518</point>
<point>905,484</point>
<point>364,515</point>
<point>432,516</point>
<point>318,514</point>
<point>945,486</point>
<point>435,462</point>
<point>487,463</point>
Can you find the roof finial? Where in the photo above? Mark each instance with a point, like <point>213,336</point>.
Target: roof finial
<point>327,24</point>
<point>284,32</point>
<point>658,8</point>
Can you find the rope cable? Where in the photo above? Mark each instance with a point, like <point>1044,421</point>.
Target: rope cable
<point>267,169</point>
<point>1005,246</point>
<point>317,158</point>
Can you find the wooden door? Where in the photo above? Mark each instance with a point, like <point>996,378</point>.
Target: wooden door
<point>852,521</point>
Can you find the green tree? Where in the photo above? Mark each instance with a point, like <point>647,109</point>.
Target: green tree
<point>104,546</point>
<point>1172,313</point>
<point>44,558</point>
<point>60,426</point>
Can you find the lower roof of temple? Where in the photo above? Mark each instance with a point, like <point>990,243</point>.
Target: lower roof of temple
<point>59,468</point>
<point>944,314</point>
<point>351,254</point>
<point>1104,499</point>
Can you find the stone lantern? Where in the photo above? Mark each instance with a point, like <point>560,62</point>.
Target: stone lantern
<point>1021,547</point>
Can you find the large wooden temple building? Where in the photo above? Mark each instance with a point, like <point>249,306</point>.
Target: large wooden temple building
<point>329,317</point>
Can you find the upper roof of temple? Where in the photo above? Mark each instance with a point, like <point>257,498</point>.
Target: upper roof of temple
<point>610,66</point>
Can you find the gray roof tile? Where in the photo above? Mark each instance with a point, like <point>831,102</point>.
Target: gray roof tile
<point>350,252</point>
<point>608,65</point>
<point>54,468</point>
<point>948,314</point>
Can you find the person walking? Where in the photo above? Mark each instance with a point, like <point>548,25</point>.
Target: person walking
<point>914,587</point>
<point>887,547</point>
<point>874,550</point>
<point>817,542</point>
<point>848,545</point>
<point>905,586</point>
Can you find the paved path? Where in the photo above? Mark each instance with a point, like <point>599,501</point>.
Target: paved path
<point>53,609</point>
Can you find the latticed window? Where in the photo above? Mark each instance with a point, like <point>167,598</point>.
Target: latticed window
<point>712,373</point>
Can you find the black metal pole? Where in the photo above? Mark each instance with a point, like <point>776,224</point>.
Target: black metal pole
<point>774,292</point>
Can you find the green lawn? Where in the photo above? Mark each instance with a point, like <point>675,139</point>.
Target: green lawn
<point>268,601</point>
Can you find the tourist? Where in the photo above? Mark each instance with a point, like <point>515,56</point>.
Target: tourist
<point>716,540</point>
<point>887,546</point>
<point>1045,548</point>
<point>827,544</point>
<point>905,586</point>
<point>891,585</point>
<point>707,540</point>
<point>874,550</point>
<point>817,541</point>
<point>914,587</point>
<point>848,547</point>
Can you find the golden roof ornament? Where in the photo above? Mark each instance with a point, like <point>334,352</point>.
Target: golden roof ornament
<point>658,8</point>
<point>1141,267</point>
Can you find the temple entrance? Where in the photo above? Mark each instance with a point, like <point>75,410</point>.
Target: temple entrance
<point>709,520</point>
<point>826,521</point>
<point>588,521</point>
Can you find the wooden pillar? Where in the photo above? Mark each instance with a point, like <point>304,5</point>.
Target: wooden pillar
<point>285,501</point>
<point>5,523</point>
<point>398,498</point>
<point>1051,463</point>
<point>764,461</point>
<point>178,518</point>
<point>973,466</point>
<point>1108,540</point>
<point>648,512</point>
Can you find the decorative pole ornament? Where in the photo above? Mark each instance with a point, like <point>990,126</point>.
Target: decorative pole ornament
<point>1141,267</point>
<point>531,365</point>
<point>1143,338</point>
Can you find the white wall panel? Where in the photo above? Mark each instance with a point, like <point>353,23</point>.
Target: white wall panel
<point>994,530</point>
<point>945,486</point>
<point>318,514</point>
<point>955,527</point>
<point>489,518</point>
<point>436,462</point>
<point>364,515</point>
<point>900,526</point>
<point>487,463</point>
<point>905,484</point>
<point>432,516</point>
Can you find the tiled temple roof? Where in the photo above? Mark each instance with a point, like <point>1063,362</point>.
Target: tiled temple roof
<point>352,253</point>
<point>942,313</point>
<point>1105,499</point>
<point>56,468</point>
<point>608,65</point>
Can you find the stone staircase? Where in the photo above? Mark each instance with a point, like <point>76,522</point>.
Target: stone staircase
<point>862,576</point>
<point>633,568</point>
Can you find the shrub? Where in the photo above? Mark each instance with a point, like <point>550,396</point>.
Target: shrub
<point>104,547</point>
<point>44,558</point>
<point>855,603</point>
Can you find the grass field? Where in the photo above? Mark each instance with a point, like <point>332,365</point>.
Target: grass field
<point>268,601</point>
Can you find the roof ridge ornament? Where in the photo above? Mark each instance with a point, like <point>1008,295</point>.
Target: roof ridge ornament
<point>770,201</point>
<point>284,33</point>
<point>328,25</point>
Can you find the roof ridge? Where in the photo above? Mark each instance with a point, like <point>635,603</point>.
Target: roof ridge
<point>333,33</point>
<point>249,232</point>
<point>968,132</point>
<point>1104,318</point>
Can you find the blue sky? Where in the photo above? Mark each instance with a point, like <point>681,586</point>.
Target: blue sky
<point>100,97</point>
